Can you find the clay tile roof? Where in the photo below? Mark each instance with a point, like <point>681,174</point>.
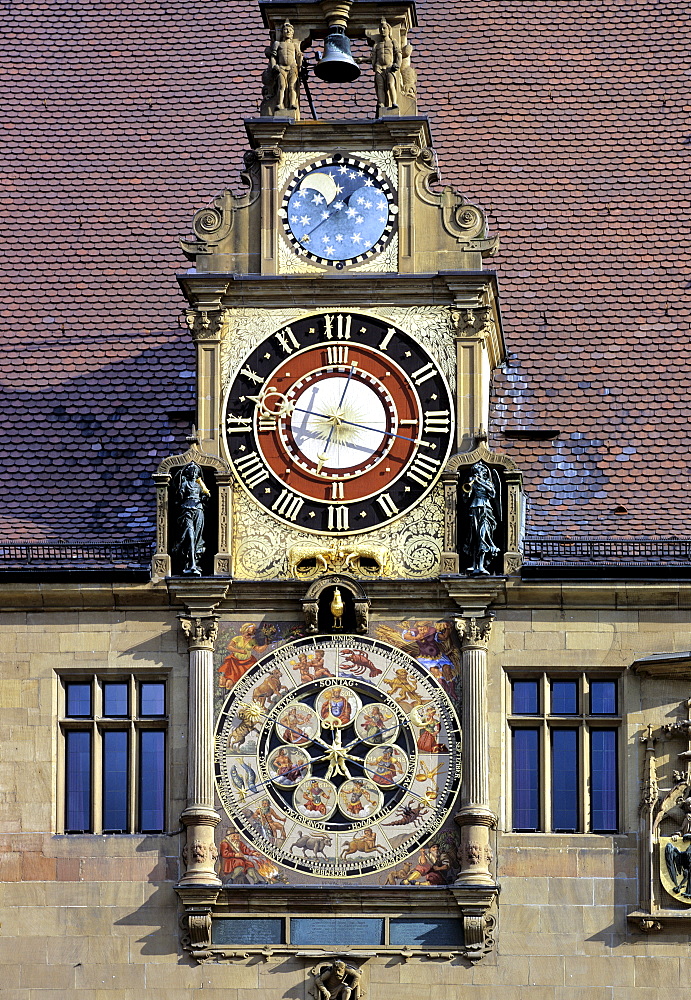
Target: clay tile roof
<point>566,121</point>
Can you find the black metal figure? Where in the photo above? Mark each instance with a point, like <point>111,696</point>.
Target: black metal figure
<point>191,496</point>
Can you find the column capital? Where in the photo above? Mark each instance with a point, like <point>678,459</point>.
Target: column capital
<point>201,632</point>
<point>474,631</point>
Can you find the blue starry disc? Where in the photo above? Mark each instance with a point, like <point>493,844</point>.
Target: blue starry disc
<point>339,211</point>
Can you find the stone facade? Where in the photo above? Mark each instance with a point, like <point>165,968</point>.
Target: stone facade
<point>94,916</point>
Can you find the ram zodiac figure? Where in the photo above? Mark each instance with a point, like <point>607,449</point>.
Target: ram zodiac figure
<point>325,557</point>
<point>378,554</point>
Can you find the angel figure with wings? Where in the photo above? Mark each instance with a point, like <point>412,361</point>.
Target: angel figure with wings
<point>483,505</point>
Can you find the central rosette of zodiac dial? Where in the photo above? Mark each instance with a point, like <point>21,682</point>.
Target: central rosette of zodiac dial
<point>337,756</point>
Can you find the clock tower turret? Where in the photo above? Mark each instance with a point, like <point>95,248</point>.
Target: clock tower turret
<point>346,333</point>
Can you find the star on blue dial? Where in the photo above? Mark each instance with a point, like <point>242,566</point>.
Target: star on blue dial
<point>339,211</point>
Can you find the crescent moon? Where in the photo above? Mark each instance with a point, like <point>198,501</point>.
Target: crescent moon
<point>323,183</point>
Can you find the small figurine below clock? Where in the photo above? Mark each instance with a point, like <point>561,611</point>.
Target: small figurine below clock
<point>339,211</point>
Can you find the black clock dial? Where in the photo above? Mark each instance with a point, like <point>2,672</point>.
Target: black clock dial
<point>338,422</point>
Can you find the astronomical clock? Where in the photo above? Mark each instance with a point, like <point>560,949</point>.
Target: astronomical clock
<point>344,515</point>
<point>339,757</point>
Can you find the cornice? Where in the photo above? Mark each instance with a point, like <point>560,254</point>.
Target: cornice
<point>460,289</point>
<point>331,136</point>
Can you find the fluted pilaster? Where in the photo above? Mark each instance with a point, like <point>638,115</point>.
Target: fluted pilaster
<point>199,816</point>
<point>475,816</point>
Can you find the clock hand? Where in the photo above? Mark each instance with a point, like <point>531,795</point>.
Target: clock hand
<point>363,427</point>
<point>336,419</point>
<point>320,223</point>
<point>285,408</point>
<point>314,739</point>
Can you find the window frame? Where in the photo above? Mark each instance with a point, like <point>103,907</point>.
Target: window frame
<point>97,724</point>
<point>585,722</point>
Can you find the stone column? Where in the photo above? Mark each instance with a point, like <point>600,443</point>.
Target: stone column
<point>200,816</point>
<point>475,817</point>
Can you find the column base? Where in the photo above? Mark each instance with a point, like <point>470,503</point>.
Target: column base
<point>199,853</point>
<point>475,853</point>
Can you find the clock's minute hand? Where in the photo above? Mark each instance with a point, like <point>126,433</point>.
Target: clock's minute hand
<point>362,427</point>
<point>335,419</point>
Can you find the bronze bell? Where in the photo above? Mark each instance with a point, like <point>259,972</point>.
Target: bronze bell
<point>337,64</point>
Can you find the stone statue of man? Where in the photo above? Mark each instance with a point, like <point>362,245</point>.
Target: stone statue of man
<point>338,982</point>
<point>285,60</point>
<point>386,61</point>
<point>191,495</point>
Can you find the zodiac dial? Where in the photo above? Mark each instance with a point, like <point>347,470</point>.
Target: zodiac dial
<point>349,768</point>
<point>338,422</point>
<point>338,211</point>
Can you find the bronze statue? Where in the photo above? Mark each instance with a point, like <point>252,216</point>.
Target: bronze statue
<point>386,61</point>
<point>483,491</point>
<point>337,981</point>
<point>285,63</point>
<point>191,495</point>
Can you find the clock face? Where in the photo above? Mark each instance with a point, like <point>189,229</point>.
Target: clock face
<point>338,423</point>
<point>339,211</point>
<point>337,756</point>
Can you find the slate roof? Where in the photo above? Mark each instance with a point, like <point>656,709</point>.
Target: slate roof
<point>567,121</point>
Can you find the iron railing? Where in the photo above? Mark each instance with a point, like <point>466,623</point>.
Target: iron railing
<point>607,551</point>
<point>75,554</point>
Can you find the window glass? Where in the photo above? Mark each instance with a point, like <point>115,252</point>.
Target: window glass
<point>115,781</point>
<point>115,700</point>
<point>564,697</point>
<point>151,780</point>
<point>603,697</point>
<point>77,781</point>
<point>525,699</point>
<point>525,761</point>
<point>152,698</point>
<point>603,780</point>
<point>78,700</point>
<point>565,780</point>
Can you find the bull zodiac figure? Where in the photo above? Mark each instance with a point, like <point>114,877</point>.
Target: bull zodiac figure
<point>679,868</point>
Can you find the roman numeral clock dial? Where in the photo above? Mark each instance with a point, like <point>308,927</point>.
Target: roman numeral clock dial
<point>338,423</point>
